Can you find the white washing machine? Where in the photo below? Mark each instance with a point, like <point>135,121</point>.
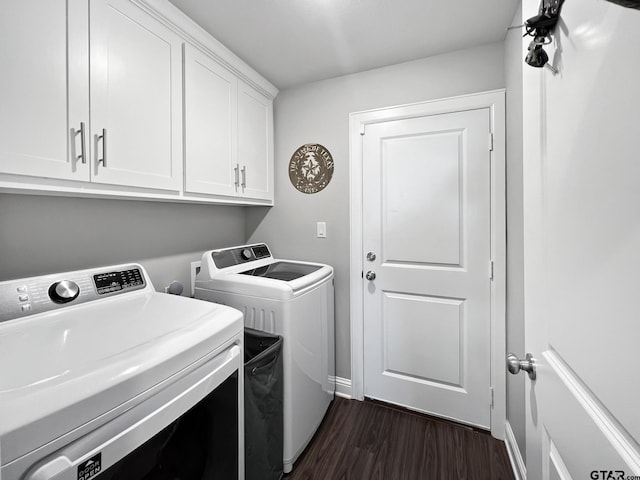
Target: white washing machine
<point>288,298</point>
<point>104,377</point>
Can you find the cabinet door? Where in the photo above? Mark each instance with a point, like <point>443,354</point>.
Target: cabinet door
<point>44,92</point>
<point>255,143</point>
<point>136,89</point>
<point>210,95</point>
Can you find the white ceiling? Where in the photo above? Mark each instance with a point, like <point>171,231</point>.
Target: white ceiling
<point>291,42</point>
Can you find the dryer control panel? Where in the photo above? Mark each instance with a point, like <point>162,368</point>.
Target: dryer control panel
<point>110,282</point>
<point>28,296</point>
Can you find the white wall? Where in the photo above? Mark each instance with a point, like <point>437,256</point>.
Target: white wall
<point>40,235</point>
<point>319,113</point>
<point>514,63</point>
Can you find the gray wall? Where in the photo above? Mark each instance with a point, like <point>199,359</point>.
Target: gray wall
<point>515,241</point>
<point>319,113</point>
<point>40,235</point>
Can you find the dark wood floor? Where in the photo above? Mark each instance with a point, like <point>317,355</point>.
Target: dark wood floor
<point>374,441</point>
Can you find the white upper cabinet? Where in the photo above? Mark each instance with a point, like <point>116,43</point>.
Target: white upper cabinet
<point>255,143</point>
<point>228,132</point>
<point>136,94</point>
<point>210,96</point>
<point>94,101</point>
<point>44,90</point>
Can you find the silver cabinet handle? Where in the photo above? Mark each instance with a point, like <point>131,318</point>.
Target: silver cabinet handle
<point>371,276</point>
<point>236,171</point>
<point>103,137</point>
<point>83,150</point>
<point>244,177</point>
<point>515,365</point>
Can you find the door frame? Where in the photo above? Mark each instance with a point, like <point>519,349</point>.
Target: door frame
<point>495,102</point>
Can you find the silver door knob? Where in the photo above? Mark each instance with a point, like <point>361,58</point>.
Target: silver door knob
<point>514,365</point>
<point>370,275</point>
<point>371,256</point>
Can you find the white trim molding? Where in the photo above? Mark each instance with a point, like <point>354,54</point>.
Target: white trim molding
<point>179,22</point>
<point>495,102</point>
<point>612,432</point>
<point>343,387</point>
<point>515,455</point>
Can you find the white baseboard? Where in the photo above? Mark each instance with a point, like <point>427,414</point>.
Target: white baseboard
<point>343,387</point>
<point>517,463</point>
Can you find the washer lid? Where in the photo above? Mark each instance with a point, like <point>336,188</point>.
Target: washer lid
<point>238,280</point>
<point>285,271</point>
<point>65,368</point>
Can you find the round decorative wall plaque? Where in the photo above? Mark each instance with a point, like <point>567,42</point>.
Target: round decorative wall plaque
<point>311,168</point>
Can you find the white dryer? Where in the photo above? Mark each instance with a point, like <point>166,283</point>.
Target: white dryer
<point>104,377</point>
<point>289,298</point>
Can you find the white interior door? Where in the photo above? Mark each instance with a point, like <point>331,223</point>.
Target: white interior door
<point>581,176</point>
<point>426,218</point>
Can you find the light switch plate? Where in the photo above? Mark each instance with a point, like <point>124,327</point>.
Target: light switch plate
<point>321,230</point>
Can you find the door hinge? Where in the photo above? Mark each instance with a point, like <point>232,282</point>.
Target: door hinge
<point>491,142</point>
<point>362,129</point>
<point>491,396</point>
<point>491,270</point>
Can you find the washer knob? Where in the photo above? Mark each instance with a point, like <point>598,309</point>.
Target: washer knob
<point>246,253</point>
<point>64,291</point>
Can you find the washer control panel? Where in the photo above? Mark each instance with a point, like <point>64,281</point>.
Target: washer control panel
<point>238,255</point>
<point>28,296</point>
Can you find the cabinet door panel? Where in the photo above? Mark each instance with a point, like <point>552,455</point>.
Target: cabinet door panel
<point>135,95</point>
<point>255,148</point>
<point>210,120</point>
<point>43,88</point>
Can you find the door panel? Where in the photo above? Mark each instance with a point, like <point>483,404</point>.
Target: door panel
<point>44,88</point>
<point>422,337</point>
<point>210,125</point>
<point>581,248</point>
<point>556,467</point>
<point>255,113</point>
<point>573,431</point>
<point>425,188</point>
<point>426,216</point>
<point>136,96</point>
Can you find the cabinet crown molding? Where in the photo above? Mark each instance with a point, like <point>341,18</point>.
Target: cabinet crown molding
<point>179,22</point>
